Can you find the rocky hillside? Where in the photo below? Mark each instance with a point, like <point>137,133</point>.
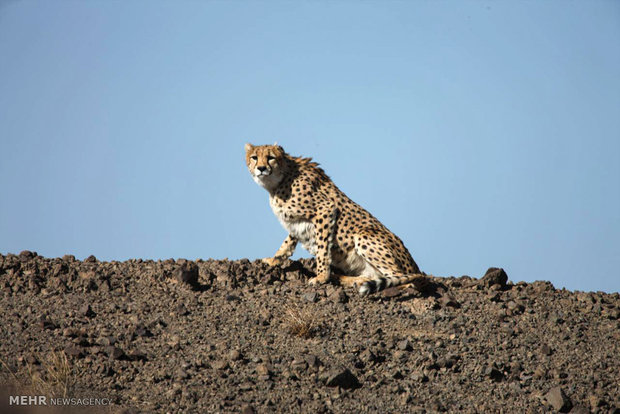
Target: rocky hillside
<point>237,336</point>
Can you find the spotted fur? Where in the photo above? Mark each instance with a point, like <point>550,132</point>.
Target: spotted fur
<point>333,228</point>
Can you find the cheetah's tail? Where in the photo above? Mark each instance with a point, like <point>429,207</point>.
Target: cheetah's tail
<point>419,280</point>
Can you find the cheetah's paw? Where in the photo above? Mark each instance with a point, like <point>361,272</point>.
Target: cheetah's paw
<point>318,280</point>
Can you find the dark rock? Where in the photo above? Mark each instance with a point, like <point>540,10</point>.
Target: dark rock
<point>579,409</point>
<point>181,310</point>
<point>343,378</point>
<point>141,330</point>
<point>136,355</point>
<point>114,352</point>
<point>494,374</point>
<point>311,297</point>
<point>90,259</point>
<point>106,340</point>
<point>187,273</point>
<point>25,255</point>
<point>368,356</point>
<point>557,398</point>
<point>74,351</point>
<point>419,377</point>
<point>447,361</point>
<point>337,295</point>
<point>546,350</point>
<point>87,311</point>
<point>392,292</point>
<point>494,276</point>
<point>73,332</point>
<point>47,323</point>
<point>341,296</point>
<point>449,301</point>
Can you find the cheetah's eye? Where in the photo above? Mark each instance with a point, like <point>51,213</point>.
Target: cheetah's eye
<point>269,158</point>
<point>254,157</point>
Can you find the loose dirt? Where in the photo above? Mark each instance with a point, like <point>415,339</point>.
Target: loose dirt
<point>238,336</point>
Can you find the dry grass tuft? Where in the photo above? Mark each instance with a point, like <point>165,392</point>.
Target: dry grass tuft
<point>54,377</point>
<point>300,322</point>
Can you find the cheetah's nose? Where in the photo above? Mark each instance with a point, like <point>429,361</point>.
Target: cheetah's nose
<point>261,168</point>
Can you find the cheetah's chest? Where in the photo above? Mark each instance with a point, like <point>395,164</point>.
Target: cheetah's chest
<point>300,229</point>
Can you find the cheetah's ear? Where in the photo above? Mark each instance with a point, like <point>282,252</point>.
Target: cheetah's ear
<point>279,147</point>
<point>248,147</point>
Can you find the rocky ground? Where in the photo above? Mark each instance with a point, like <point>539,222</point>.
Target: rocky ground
<point>237,336</point>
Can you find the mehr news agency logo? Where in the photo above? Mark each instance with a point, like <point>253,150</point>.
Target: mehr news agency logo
<point>42,400</point>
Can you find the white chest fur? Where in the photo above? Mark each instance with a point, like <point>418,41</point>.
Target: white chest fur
<point>301,229</point>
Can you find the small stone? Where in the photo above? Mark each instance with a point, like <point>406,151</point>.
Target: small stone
<point>46,323</point>
<point>343,378</point>
<point>368,356</point>
<point>136,355</point>
<point>419,377</point>
<point>494,374</point>
<point>74,351</point>
<point>546,350</point>
<point>181,374</point>
<point>87,311</point>
<point>559,400</point>
<point>247,409</point>
<point>515,307</point>
<point>187,273</point>
<point>90,259</point>
<point>595,401</point>
<point>447,361</point>
<point>220,365</point>
<point>263,370</point>
<point>181,310</point>
<point>234,355</point>
<point>114,352</point>
<point>311,297</point>
<point>397,375</point>
<point>392,292</point>
<point>579,409</point>
<point>449,301</point>
<point>70,332</point>
<point>106,341</point>
<point>312,361</point>
<point>494,276</point>
<point>25,255</point>
<point>405,345</point>
<point>339,296</point>
<point>540,372</point>
<point>141,330</point>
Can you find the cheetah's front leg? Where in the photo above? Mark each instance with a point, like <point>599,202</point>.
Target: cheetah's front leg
<point>324,229</point>
<point>284,252</point>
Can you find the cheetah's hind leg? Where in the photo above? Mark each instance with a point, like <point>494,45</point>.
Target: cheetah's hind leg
<point>393,264</point>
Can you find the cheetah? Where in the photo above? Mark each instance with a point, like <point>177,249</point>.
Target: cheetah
<point>337,231</point>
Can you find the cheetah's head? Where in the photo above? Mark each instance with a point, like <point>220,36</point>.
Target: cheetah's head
<point>265,163</point>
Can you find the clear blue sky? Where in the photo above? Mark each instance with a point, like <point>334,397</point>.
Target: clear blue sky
<point>482,133</point>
